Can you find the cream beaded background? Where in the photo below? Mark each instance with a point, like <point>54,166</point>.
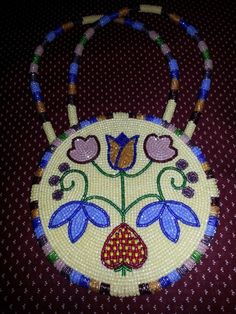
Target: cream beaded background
<point>163,255</point>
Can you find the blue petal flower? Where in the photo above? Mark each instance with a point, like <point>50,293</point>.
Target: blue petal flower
<point>168,213</point>
<point>169,225</point>
<point>184,213</point>
<point>96,215</point>
<point>149,214</point>
<point>77,226</point>
<point>78,214</point>
<point>64,214</point>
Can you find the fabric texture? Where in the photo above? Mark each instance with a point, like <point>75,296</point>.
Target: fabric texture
<point>120,71</point>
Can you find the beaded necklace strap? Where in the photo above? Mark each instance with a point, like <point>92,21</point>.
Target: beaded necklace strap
<point>74,66</point>
<point>35,87</point>
<point>190,30</point>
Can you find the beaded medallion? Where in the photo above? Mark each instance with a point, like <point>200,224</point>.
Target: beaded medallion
<point>124,205</point>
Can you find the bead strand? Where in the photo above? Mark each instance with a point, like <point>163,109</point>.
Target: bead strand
<point>74,66</point>
<point>206,81</point>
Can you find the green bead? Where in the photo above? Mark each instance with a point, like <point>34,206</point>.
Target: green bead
<point>83,40</point>
<point>196,256</point>
<point>52,257</point>
<point>178,132</point>
<point>36,59</point>
<point>159,41</point>
<point>63,136</point>
<point>206,54</point>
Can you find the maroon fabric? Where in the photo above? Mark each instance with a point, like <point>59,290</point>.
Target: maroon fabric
<point>121,71</point>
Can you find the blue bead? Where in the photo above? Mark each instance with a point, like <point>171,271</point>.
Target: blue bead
<point>196,150</point>
<point>114,15</point>
<point>212,221</point>
<point>174,74</point>
<point>210,230</point>
<point>35,87</point>
<point>47,156</point>
<point>36,222</point>
<point>153,119</point>
<point>50,36</point>
<point>39,232</point>
<point>84,281</point>
<point>138,26</point>
<point>58,31</point>
<point>75,277</point>
<point>74,68</point>
<point>93,120</point>
<point>183,24</point>
<point>37,96</point>
<point>174,276</point>
<point>192,31</point>
<point>43,164</point>
<point>128,22</point>
<point>203,94</point>
<point>72,78</point>
<point>104,20</point>
<point>201,158</point>
<point>206,84</point>
<point>165,282</point>
<point>173,65</point>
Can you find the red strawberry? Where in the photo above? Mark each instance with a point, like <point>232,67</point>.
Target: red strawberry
<point>123,249</point>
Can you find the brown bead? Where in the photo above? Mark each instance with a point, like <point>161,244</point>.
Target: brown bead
<point>39,172</point>
<point>68,26</point>
<point>101,118</point>
<point>35,213</point>
<point>72,89</point>
<point>94,285</point>
<point>120,20</point>
<point>40,107</point>
<point>205,166</point>
<point>124,11</point>
<point>154,286</point>
<point>199,105</point>
<point>175,18</point>
<point>174,84</point>
<point>215,210</point>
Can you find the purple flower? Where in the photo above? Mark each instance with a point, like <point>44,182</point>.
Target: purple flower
<point>192,177</point>
<point>188,192</point>
<point>63,167</point>
<point>57,195</point>
<point>122,151</point>
<point>78,214</point>
<point>168,213</point>
<point>159,148</point>
<point>181,164</point>
<point>84,150</point>
<point>54,180</point>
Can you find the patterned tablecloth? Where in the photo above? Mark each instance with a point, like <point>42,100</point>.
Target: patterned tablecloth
<point>121,71</point>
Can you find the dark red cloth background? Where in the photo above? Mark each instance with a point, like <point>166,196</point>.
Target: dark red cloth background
<point>121,71</point>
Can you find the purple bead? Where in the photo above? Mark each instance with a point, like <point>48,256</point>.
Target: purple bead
<point>192,177</point>
<point>89,33</point>
<point>165,49</point>
<point>188,192</point>
<point>181,164</point>
<point>33,68</point>
<point>57,195</point>
<point>79,50</point>
<point>208,64</point>
<point>54,180</point>
<point>202,46</point>
<point>153,35</point>
<point>39,50</point>
<point>63,167</point>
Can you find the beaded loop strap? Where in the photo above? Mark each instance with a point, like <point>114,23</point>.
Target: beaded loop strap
<point>191,31</point>
<point>124,205</point>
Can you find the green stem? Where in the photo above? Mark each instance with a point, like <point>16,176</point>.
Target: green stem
<point>176,187</point>
<point>140,199</point>
<point>101,198</point>
<point>139,172</point>
<point>122,185</point>
<point>72,184</point>
<point>104,172</point>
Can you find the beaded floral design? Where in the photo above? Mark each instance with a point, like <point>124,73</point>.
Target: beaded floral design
<point>124,249</point>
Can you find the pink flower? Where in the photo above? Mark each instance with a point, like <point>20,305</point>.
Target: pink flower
<point>159,148</point>
<point>84,150</point>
